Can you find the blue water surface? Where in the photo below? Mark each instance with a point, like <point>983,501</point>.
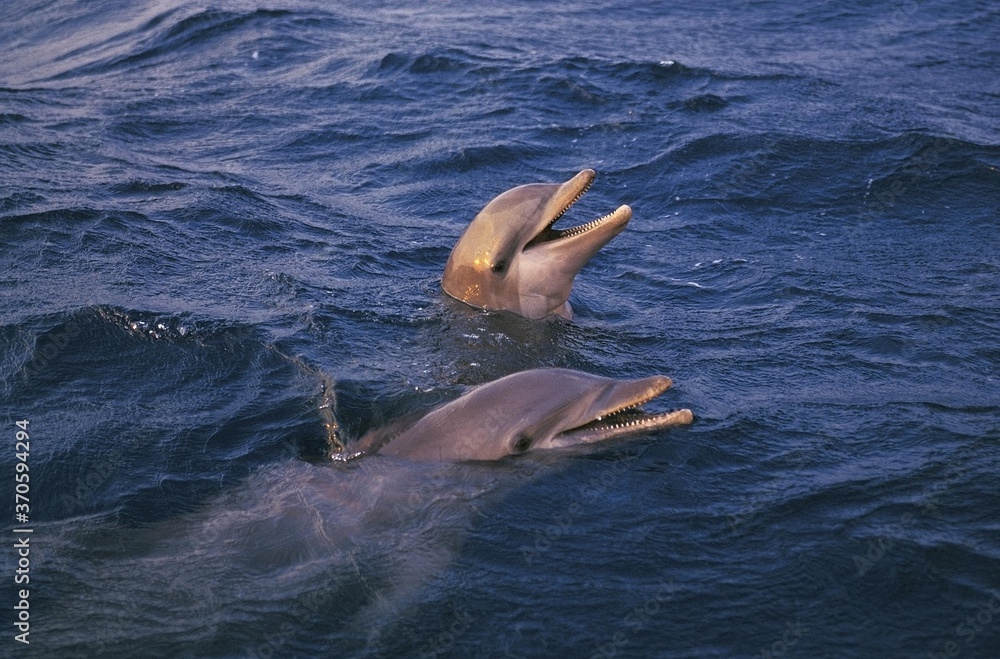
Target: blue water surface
<point>218,220</point>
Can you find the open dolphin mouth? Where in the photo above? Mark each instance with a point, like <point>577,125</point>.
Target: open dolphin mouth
<point>626,422</point>
<point>541,409</point>
<point>569,193</point>
<point>621,414</point>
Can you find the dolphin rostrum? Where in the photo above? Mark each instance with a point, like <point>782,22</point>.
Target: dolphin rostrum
<point>510,258</point>
<point>532,410</point>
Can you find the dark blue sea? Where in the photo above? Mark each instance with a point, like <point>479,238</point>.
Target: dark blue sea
<point>219,220</point>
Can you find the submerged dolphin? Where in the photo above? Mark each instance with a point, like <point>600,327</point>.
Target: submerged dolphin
<point>510,258</point>
<point>531,410</point>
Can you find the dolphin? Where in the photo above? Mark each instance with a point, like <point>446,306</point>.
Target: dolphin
<point>510,258</point>
<point>539,409</point>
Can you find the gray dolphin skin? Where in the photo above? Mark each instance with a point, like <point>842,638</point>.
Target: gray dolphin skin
<point>532,410</point>
<point>510,258</point>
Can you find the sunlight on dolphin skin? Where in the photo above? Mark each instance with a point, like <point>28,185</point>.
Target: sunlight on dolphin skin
<point>510,258</point>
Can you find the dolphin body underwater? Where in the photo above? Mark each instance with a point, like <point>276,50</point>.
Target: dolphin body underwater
<point>510,258</point>
<point>539,409</point>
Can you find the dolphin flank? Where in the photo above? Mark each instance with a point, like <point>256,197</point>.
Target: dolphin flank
<point>532,410</point>
<point>510,258</point>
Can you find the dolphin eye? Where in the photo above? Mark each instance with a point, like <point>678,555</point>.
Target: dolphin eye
<point>500,266</point>
<point>522,444</point>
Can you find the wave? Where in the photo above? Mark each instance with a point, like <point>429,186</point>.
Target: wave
<point>190,403</point>
<point>786,172</point>
<point>166,36</point>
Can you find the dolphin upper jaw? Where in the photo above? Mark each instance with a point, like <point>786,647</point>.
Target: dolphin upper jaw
<point>511,258</point>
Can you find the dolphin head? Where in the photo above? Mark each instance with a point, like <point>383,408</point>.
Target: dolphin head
<point>532,410</point>
<point>510,258</point>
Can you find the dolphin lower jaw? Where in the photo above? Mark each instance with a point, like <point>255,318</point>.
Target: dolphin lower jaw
<point>552,259</point>
<point>549,264</point>
<point>619,424</point>
<point>613,223</point>
<point>616,412</point>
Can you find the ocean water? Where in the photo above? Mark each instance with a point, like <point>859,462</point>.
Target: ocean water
<point>217,218</point>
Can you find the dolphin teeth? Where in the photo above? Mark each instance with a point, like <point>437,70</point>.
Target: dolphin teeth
<point>556,234</point>
<point>633,417</point>
<point>611,421</point>
<point>572,201</point>
<point>619,418</point>
<point>549,234</point>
